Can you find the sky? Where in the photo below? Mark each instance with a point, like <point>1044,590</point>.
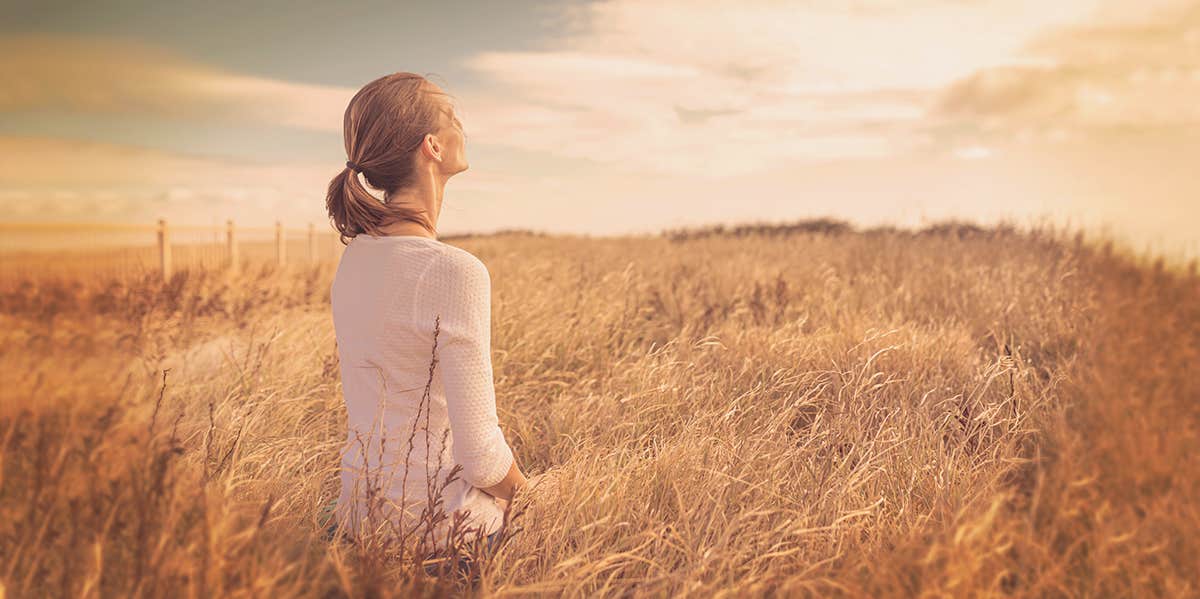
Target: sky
<point>622,116</point>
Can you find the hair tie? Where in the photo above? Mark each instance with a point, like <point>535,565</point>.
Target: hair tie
<point>353,167</point>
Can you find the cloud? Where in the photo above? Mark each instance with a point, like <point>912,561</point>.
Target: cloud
<point>63,163</point>
<point>717,89</point>
<point>47,178</point>
<point>972,153</point>
<point>107,76</point>
<point>62,179</point>
<point>1123,70</point>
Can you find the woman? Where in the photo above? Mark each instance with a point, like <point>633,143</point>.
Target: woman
<point>396,287</point>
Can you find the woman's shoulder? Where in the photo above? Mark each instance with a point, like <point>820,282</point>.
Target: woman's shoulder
<point>456,267</point>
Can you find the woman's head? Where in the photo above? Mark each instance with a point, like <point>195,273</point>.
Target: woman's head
<point>398,129</point>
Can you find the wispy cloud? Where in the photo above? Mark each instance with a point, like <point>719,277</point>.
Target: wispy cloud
<point>1122,72</point>
<point>35,161</point>
<point>45,178</point>
<point>727,88</point>
<point>100,75</point>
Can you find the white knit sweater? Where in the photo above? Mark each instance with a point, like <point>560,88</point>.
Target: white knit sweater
<point>386,295</point>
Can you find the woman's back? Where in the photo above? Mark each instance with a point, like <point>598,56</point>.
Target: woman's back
<point>388,295</point>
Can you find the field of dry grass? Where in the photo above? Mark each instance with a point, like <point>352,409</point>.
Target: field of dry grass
<point>806,411</point>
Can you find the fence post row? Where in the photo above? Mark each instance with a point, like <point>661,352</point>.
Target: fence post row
<point>280,248</point>
<point>164,249</point>
<point>231,245</point>
<point>231,242</point>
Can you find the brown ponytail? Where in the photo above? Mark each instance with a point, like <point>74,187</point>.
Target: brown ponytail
<point>385,122</point>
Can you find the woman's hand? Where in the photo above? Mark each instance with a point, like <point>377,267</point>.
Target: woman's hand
<point>507,487</point>
<point>538,484</point>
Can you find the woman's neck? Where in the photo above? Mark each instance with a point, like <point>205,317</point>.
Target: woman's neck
<point>407,227</point>
<point>426,193</point>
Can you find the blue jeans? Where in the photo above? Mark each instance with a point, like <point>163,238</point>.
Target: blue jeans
<point>492,539</point>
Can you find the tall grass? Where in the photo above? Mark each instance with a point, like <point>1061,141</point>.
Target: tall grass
<point>810,410</point>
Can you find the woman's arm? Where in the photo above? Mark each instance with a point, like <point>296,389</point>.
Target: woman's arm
<point>512,482</point>
<point>464,354</point>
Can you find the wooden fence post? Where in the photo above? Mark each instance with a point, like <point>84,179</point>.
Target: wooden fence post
<point>232,246</point>
<point>280,248</point>
<point>164,249</point>
<point>312,243</point>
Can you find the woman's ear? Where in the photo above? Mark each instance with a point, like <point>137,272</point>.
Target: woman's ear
<point>432,147</point>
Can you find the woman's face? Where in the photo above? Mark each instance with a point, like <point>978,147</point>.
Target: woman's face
<point>458,138</point>
<point>452,139</point>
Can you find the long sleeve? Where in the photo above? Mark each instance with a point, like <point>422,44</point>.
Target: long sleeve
<point>461,297</point>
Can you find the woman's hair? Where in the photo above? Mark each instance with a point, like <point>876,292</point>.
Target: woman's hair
<point>386,121</point>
